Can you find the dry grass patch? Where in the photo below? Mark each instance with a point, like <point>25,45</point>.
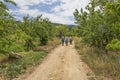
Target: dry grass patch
<point>105,66</point>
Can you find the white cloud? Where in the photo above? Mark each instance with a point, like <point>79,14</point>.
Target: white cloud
<point>62,13</point>
<point>69,6</point>
<point>58,19</point>
<point>52,17</point>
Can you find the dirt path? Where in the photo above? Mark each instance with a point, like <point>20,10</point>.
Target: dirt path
<point>63,63</point>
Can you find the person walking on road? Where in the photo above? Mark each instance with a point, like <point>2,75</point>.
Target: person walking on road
<point>70,39</point>
<point>63,40</point>
<point>66,41</point>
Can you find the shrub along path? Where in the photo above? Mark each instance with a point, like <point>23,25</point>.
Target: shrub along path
<point>63,63</point>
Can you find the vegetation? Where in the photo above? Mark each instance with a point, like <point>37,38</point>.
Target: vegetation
<point>23,37</point>
<point>19,36</point>
<point>15,67</point>
<point>99,29</point>
<point>62,30</point>
<point>99,24</point>
<point>105,67</point>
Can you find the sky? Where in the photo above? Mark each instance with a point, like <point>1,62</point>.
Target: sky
<point>58,11</point>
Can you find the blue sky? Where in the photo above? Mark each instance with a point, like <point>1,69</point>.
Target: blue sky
<point>58,11</point>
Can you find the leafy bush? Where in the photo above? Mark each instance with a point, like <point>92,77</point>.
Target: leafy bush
<point>16,48</point>
<point>114,45</point>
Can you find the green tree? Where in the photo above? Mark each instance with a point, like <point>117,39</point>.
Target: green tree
<point>7,26</point>
<point>99,23</point>
<point>62,30</point>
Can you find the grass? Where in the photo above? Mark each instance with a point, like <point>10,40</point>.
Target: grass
<point>53,43</point>
<point>15,67</point>
<point>105,66</point>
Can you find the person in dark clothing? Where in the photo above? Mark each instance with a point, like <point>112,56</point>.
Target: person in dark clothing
<point>70,39</point>
<point>63,40</point>
<point>66,41</point>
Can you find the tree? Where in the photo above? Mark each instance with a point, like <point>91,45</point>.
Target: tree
<point>99,23</point>
<point>7,26</point>
<point>62,30</point>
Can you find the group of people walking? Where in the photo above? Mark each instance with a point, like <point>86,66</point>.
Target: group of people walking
<point>66,40</point>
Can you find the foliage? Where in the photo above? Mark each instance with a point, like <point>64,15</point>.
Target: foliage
<point>22,35</point>
<point>7,26</point>
<point>99,23</point>
<point>114,45</point>
<point>62,30</point>
<point>19,36</point>
<point>16,34</point>
<point>75,31</point>
<point>14,68</point>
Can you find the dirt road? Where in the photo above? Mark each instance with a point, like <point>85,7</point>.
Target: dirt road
<point>63,63</point>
